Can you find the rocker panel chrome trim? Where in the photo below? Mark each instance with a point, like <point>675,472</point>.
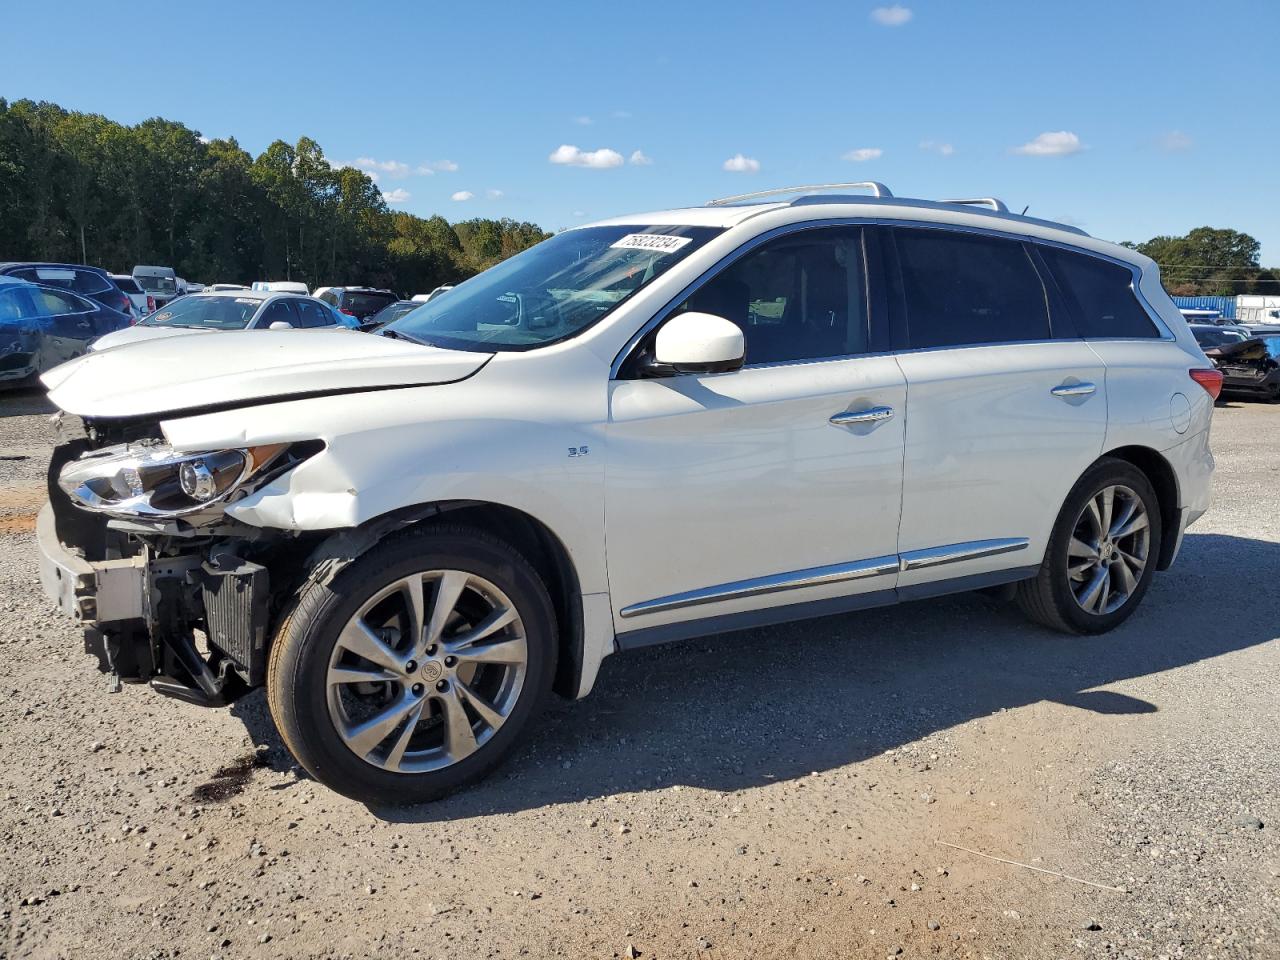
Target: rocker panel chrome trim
<point>757,586</point>
<point>956,552</point>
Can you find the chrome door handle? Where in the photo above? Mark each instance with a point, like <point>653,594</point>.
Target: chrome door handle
<point>1075,390</point>
<point>873,415</point>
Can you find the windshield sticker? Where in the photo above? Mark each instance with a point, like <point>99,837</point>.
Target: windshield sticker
<point>162,317</point>
<point>246,300</point>
<point>656,242</point>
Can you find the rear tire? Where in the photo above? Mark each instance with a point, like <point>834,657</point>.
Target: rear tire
<point>1101,555</point>
<point>391,684</point>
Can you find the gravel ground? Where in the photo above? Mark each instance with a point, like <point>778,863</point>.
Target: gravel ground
<point>775,793</point>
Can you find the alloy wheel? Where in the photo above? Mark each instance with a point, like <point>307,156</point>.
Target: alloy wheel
<point>427,671</point>
<point>1109,549</point>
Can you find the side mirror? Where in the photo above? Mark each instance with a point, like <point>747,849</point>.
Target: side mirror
<point>281,325</point>
<point>699,343</point>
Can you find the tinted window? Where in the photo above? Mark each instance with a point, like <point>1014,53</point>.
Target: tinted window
<point>127,284</point>
<point>799,297</point>
<point>312,314</point>
<point>963,288</point>
<point>55,303</point>
<point>1100,295</point>
<point>366,304</point>
<point>16,304</point>
<point>278,311</point>
<point>329,296</point>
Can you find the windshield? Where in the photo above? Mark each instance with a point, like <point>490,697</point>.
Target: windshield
<point>1216,338</point>
<point>1273,346</point>
<point>216,313</point>
<point>394,311</point>
<point>158,284</point>
<point>553,290</point>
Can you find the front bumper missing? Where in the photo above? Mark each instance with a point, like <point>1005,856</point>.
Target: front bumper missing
<point>138,614</point>
<point>107,591</point>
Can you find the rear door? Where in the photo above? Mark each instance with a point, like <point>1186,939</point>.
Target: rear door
<point>280,310</point>
<point>313,313</point>
<point>1006,406</point>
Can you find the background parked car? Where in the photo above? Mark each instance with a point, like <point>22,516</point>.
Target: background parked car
<point>428,297</point>
<point>225,286</point>
<point>359,302</point>
<point>91,282</point>
<point>1250,367</point>
<point>42,326</point>
<point>230,310</point>
<point>160,282</point>
<point>1210,335</point>
<point>141,301</point>
<point>392,311</point>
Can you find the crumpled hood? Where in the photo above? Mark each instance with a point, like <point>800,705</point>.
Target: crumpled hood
<point>244,366</point>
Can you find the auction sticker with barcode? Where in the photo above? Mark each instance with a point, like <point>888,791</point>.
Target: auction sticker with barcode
<point>656,242</point>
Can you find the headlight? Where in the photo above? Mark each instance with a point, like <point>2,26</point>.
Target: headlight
<point>153,480</point>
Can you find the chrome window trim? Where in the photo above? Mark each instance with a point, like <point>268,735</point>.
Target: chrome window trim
<point>660,316</point>
<point>774,583</point>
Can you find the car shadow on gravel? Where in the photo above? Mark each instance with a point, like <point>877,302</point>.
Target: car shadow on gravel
<point>25,402</point>
<point>760,706</point>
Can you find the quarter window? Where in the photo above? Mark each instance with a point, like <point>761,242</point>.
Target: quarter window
<point>55,303</point>
<point>1100,294</point>
<point>799,297</point>
<point>962,289</point>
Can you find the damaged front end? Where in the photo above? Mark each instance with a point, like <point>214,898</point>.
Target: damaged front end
<point>135,546</point>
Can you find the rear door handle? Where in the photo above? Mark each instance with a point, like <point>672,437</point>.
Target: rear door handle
<point>1075,390</point>
<point>873,415</point>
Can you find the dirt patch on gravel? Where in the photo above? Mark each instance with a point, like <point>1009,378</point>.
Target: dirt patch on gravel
<point>18,522</point>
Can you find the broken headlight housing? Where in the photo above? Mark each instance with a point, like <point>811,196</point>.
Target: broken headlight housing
<point>154,480</point>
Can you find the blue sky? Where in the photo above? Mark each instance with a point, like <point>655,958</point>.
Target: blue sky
<point>1128,118</point>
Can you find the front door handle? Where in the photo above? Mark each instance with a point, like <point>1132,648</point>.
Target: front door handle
<point>873,415</point>
<point>1075,390</point>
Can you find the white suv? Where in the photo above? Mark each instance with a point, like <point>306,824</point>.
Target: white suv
<point>651,428</point>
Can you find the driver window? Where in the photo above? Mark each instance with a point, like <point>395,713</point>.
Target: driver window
<point>277,311</point>
<point>798,297</point>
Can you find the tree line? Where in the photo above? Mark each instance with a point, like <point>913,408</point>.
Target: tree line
<point>1210,262</point>
<point>79,188</point>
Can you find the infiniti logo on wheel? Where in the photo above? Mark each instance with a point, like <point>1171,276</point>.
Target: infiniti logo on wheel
<point>432,671</point>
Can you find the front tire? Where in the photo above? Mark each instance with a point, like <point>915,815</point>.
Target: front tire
<point>1101,555</point>
<point>417,669</point>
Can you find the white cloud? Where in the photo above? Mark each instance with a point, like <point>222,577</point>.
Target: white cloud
<point>1175,141</point>
<point>203,139</point>
<point>640,160</point>
<point>494,194</point>
<point>398,195</point>
<point>863,154</point>
<point>894,16</point>
<point>933,146</point>
<point>427,169</point>
<point>582,121</point>
<point>740,164</point>
<point>1051,144</point>
<point>462,195</point>
<point>392,168</point>
<point>601,159</point>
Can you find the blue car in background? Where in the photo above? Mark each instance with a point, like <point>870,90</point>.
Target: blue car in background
<point>92,282</point>
<point>42,326</point>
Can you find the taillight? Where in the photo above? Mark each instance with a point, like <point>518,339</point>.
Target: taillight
<point>347,312</point>
<point>1209,378</point>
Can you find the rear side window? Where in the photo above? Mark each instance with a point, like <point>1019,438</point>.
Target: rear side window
<point>1100,294</point>
<point>964,289</point>
<point>55,303</point>
<point>312,314</point>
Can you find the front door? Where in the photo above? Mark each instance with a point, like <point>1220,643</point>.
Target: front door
<point>778,484</point>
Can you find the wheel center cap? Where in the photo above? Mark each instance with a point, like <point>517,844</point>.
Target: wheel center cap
<point>432,671</point>
<point>1106,551</point>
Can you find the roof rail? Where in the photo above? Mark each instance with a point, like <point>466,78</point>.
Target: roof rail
<point>877,189</point>
<point>996,205</point>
